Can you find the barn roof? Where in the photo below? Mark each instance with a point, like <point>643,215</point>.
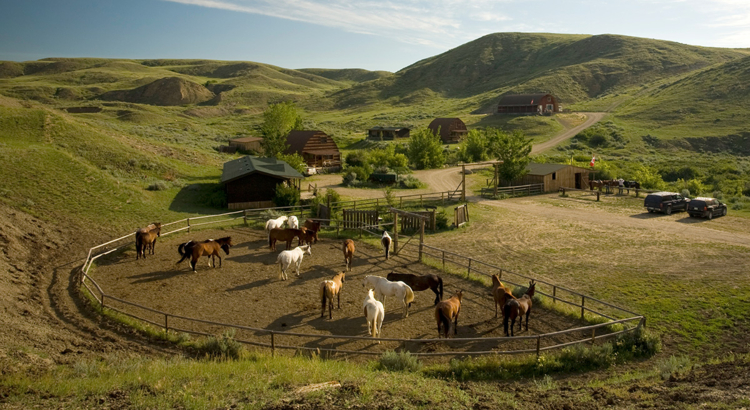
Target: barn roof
<point>298,139</point>
<point>444,125</point>
<point>388,128</point>
<point>248,164</point>
<point>546,169</point>
<point>246,139</point>
<point>521,99</point>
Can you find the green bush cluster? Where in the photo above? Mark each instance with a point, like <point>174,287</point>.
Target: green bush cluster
<point>223,347</point>
<point>399,362</point>
<point>286,196</point>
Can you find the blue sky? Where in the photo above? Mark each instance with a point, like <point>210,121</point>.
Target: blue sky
<point>371,34</point>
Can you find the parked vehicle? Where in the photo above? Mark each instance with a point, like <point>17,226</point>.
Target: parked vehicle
<point>706,208</point>
<point>666,202</point>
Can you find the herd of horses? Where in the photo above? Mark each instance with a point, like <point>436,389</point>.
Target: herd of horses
<point>400,286</point>
<point>613,183</point>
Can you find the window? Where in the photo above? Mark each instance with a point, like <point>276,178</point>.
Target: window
<point>554,176</point>
<point>549,99</point>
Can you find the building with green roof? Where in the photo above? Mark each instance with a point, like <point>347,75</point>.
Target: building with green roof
<point>250,182</point>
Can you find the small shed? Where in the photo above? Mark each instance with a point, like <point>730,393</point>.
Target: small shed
<point>250,182</point>
<point>247,144</point>
<point>450,130</point>
<point>540,103</point>
<point>387,133</point>
<point>316,148</point>
<point>555,176</point>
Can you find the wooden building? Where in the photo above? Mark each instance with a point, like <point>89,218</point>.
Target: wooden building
<point>555,176</point>
<point>450,130</point>
<point>250,182</point>
<point>387,133</point>
<point>247,144</point>
<point>316,148</point>
<point>542,103</point>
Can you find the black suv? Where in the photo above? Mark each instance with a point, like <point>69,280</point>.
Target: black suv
<point>706,208</point>
<point>666,202</point>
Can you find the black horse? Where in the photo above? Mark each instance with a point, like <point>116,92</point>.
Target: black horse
<point>420,282</point>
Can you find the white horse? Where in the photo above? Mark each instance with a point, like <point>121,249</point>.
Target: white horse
<point>383,287</point>
<point>386,241</point>
<point>275,223</point>
<point>293,222</point>
<point>374,313</point>
<point>294,256</point>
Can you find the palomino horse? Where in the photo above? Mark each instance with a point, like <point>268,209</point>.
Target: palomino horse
<point>145,238</point>
<point>419,283</point>
<point>209,248</point>
<point>329,289</point>
<point>518,307</point>
<point>348,254</point>
<point>286,235</point>
<point>386,241</point>
<point>447,311</point>
<point>374,313</point>
<point>287,258</point>
<point>383,287</point>
<point>500,293</point>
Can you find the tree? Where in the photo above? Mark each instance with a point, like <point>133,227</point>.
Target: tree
<point>425,149</point>
<point>513,149</point>
<point>278,120</point>
<point>387,157</point>
<point>474,147</point>
<point>295,160</point>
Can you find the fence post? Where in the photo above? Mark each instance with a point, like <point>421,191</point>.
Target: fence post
<point>421,204</point>
<point>244,216</point>
<point>338,225</point>
<point>421,238</point>
<point>597,194</point>
<point>442,198</point>
<point>583,301</point>
<point>468,273</point>
<point>273,345</point>
<point>538,344</point>
<point>500,276</point>
<point>188,222</point>
<point>102,301</point>
<point>360,230</point>
<point>166,323</point>
<point>395,233</point>
<point>554,293</point>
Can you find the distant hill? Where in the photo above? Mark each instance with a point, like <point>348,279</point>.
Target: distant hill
<point>164,91</point>
<point>353,75</point>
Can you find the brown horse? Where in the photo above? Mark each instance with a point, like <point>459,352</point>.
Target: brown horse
<point>308,237</point>
<point>210,248</point>
<point>420,282</point>
<point>348,254</point>
<point>518,307</point>
<point>286,235</point>
<point>313,227</point>
<point>329,289</point>
<point>145,239</point>
<point>447,311</point>
<point>595,183</point>
<point>500,293</point>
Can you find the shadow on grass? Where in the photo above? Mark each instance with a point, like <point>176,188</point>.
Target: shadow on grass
<point>200,198</point>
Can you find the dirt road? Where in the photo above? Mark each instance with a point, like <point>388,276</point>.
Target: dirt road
<point>591,119</point>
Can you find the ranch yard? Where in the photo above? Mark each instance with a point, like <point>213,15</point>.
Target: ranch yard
<point>247,291</point>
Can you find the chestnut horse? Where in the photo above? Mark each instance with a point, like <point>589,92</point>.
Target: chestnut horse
<point>447,311</point>
<point>518,307</point>
<point>348,254</point>
<point>329,289</point>
<point>286,235</point>
<point>209,248</point>
<point>313,227</point>
<point>420,282</point>
<point>500,293</point>
<point>145,239</point>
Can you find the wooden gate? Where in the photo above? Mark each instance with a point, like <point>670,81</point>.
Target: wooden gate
<point>412,223</point>
<point>354,219</point>
<point>324,213</point>
<point>461,215</point>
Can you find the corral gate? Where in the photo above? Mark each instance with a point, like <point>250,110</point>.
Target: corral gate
<point>461,215</point>
<point>412,223</point>
<point>355,219</point>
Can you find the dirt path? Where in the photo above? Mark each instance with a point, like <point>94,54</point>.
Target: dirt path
<point>591,119</point>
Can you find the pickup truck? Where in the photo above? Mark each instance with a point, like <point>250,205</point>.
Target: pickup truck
<point>666,202</point>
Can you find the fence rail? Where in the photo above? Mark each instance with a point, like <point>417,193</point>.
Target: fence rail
<point>472,265</point>
<point>532,189</point>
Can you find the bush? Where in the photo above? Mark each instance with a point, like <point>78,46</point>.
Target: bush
<point>718,195</point>
<point>685,193</point>
<point>350,178</point>
<point>410,182</point>
<point>286,196</point>
<point>222,347</point>
<point>399,361</point>
<point>362,172</point>
<point>673,366</point>
<point>157,186</point>
<point>441,220</point>
<point>390,197</point>
<point>357,158</point>
<point>270,214</point>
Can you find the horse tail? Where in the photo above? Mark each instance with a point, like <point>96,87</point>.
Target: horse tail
<point>442,318</point>
<point>440,284</point>
<point>138,244</point>
<point>181,249</point>
<point>409,297</point>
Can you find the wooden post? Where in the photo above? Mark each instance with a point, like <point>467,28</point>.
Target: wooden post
<point>466,206</point>
<point>102,301</point>
<point>463,182</point>
<point>338,225</point>
<point>468,273</point>
<point>497,167</point>
<point>442,198</point>
<point>597,195</point>
<point>273,345</point>
<point>166,323</point>
<point>538,345</point>
<point>244,216</point>
<point>583,302</point>
<point>188,222</point>
<point>636,192</point>
<point>360,230</point>
<point>500,275</point>
<point>421,237</point>
<point>554,293</point>
<point>395,233</point>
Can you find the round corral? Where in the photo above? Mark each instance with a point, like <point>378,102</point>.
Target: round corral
<point>247,291</point>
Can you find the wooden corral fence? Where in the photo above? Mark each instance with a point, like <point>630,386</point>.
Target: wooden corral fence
<point>413,220</point>
<point>461,215</point>
<point>273,339</point>
<point>355,219</point>
<point>598,192</point>
<point>519,190</point>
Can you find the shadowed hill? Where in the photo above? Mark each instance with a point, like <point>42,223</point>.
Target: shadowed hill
<point>165,91</point>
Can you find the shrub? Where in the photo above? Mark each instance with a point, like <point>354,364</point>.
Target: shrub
<point>441,220</point>
<point>685,192</point>
<point>270,214</point>
<point>157,186</point>
<point>357,158</point>
<point>410,182</point>
<point>286,196</point>
<point>673,366</point>
<point>362,172</point>
<point>221,347</point>
<point>718,195</point>
<point>390,197</point>
<point>399,361</point>
<point>737,206</point>
<point>350,178</point>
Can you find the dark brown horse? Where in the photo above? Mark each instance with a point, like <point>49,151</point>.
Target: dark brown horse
<point>209,248</point>
<point>348,254</point>
<point>420,282</point>
<point>145,239</point>
<point>447,311</point>
<point>286,235</point>
<point>313,227</point>
<point>500,293</point>
<point>518,307</point>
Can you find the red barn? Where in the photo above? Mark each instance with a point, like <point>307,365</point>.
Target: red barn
<point>542,103</point>
<point>450,130</point>
<point>316,148</point>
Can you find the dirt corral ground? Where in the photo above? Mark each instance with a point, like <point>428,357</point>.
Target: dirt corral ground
<point>247,291</point>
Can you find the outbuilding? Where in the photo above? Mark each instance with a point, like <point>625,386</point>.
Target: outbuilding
<point>450,130</point>
<point>250,182</point>
<point>540,103</point>
<point>555,176</point>
<point>316,148</point>
<point>246,144</point>
<point>387,133</point>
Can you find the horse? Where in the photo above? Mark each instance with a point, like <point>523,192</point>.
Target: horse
<point>595,183</point>
<point>518,307</point>
<point>348,254</point>
<point>329,289</point>
<point>386,241</point>
<point>383,287</point>
<point>210,248</point>
<point>286,235</point>
<point>447,311</point>
<point>275,223</point>
<point>374,313</point>
<point>500,293</point>
<point>314,227</point>
<point>307,237</point>
<point>294,256</point>
<point>293,222</point>
<point>419,283</point>
<point>632,184</point>
<point>145,239</point>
